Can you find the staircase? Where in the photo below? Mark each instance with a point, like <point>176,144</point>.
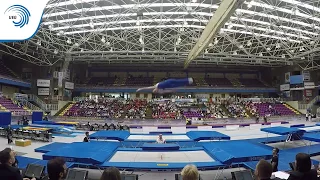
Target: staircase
<point>292,109</point>
<point>41,104</point>
<point>66,108</point>
<point>225,110</point>
<point>149,112</point>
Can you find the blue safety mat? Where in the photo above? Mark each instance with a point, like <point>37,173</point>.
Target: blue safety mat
<point>90,152</point>
<point>312,137</point>
<point>111,135</point>
<point>161,165</point>
<point>24,161</point>
<point>298,125</point>
<point>207,135</point>
<point>282,130</point>
<point>182,144</point>
<point>64,135</point>
<point>234,151</point>
<point>50,147</point>
<point>160,147</point>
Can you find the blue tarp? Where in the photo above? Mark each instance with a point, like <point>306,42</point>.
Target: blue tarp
<point>207,135</point>
<point>90,152</point>
<point>282,130</point>
<point>50,147</point>
<point>237,151</point>
<point>111,135</point>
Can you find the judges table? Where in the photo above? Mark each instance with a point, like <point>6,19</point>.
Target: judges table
<point>160,147</point>
<point>22,143</point>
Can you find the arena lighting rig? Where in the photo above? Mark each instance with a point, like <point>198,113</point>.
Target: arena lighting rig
<point>220,17</point>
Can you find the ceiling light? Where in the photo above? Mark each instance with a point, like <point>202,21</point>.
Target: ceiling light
<point>175,49</point>
<point>240,46</point>
<point>261,54</point>
<point>55,51</point>
<point>81,50</point>
<point>69,41</point>
<point>181,29</point>
<point>103,40</point>
<point>215,41</point>
<point>278,45</point>
<point>210,45</point>
<point>111,49</point>
<point>249,43</point>
<point>311,42</point>
<point>292,50</point>
<point>235,53</point>
<point>76,44</point>
<point>230,26</point>
<point>108,43</point>
<point>301,48</point>
<point>185,23</point>
<point>206,51</point>
<point>283,56</point>
<point>194,1</point>
<point>39,42</point>
<point>303,58</point>
<point>268,48</point>
<point>50,26</point>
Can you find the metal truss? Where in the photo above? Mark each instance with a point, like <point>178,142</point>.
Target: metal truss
<point>267,33</point>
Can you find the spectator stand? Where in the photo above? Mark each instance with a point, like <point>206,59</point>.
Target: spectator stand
<point>291,133</point>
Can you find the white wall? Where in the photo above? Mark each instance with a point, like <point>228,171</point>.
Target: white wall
<point>9,90</point>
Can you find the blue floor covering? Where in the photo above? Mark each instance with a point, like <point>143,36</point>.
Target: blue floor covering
<point>50,147</point>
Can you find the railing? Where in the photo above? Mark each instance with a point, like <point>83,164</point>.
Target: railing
<point>313,101</point>
<point>30,106</point>
<point>43,105</point>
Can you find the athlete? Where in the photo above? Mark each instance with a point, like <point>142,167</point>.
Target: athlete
<point>168,85</point>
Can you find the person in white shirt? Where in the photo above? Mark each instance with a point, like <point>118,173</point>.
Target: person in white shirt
<point>160,139</point>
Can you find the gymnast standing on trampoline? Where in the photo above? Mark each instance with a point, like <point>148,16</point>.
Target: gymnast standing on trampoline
<point>168,85</point>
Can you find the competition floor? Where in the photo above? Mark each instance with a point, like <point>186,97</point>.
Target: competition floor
<point>176,157</point>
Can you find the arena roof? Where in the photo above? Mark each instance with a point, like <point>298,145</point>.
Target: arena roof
<point>268,33</point>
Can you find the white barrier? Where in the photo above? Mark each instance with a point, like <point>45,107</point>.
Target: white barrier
<point>179,130</point>
<point>136,130</point>
<point>147,129</point>
<point>275,124</point>
<point>255,126</point>
<point>204,128</point>
<point>232,127</point>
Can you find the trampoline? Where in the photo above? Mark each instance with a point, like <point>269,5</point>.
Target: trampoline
<point>154,137</point>
<point>168,157</point>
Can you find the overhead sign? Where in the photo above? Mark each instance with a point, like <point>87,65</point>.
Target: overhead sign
<point>69,85</point>
<point>306,75</point>
<point>287,77</point>
<point>43,83</point>
<point>43,91</point>
<point>309,85</point>
<point>284,87</point>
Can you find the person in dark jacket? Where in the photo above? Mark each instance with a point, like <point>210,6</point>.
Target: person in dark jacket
<point>303,169</point>
<point>7,171</point>
<point>86,139</point>
<point>275,159</point>
<point>9,134</point>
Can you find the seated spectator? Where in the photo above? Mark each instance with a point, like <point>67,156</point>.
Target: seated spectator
<point>303,169</point>
<point>57,169</point>
<point>275,159</point>
<point>7,171</point>
<point>190,172</point>
<point>263,170</point>
<point>86,139</point>
<point>111,173</point>
<point>160,139</point>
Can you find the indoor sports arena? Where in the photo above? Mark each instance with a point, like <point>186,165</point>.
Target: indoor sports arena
<point>163,90</point>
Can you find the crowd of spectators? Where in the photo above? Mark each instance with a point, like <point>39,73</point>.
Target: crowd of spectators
<point>109,108</point>
<point>168,109</point>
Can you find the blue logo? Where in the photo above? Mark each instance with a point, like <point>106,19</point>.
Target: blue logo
<point>19,15</point>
